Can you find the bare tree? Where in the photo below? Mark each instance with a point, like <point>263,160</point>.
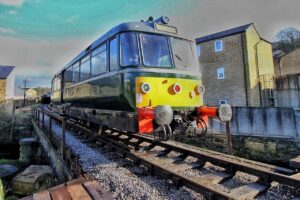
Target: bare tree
<point>288,39</point>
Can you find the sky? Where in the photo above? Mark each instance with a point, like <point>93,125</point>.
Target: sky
<point>40,36</point>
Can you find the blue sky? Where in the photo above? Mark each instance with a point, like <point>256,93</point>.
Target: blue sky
<point>62,19</point>
<point>40,36</point>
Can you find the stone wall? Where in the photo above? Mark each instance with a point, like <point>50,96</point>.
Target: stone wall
<point>262,121</point>
<point>289,63</point>
<point>2,89</point>
<point>288,90</point>
<point>270,150</point>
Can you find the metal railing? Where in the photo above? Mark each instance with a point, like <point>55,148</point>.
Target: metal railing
<point>38,114</point>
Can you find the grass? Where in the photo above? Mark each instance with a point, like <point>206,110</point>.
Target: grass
<point>1,190</point>
<point>9,162</point>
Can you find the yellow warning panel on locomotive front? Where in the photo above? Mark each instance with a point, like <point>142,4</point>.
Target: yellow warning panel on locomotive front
<point>176,92</point>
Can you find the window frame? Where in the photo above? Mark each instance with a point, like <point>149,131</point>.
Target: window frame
<point>221,47</point>
<point>70,68</point>
<point>74,66</point>
<point>172,65</point>
<point>106,63</point>
<point>223,70</point>
<point>192,49</point>
<point>88,60</point>
<point>117,37</point>
<point>222,100</point>
<point>138,48</point>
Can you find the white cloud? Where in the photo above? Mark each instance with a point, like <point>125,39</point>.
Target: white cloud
<point>39,57</point>
<point>12,2</point>
<point>6,31</point>
<point>12,12</point>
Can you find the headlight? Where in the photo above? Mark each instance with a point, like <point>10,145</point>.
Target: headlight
<point>200,89</point>
<point>145,87</point>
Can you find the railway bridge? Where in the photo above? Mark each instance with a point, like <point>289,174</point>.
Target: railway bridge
<point>128,165</point>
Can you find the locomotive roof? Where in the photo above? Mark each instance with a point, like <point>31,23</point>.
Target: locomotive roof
<point>129,26</point>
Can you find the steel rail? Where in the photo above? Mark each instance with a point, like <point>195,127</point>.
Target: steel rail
<point>267,173</point>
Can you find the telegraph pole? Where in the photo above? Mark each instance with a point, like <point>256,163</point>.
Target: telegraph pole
<point>24,89</point>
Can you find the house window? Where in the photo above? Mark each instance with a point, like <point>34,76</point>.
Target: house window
<point>222,101</point>
<point>220,73</point>
<point>198,48</point>
<point>218,45</point>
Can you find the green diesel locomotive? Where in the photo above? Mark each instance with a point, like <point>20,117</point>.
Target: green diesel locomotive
<point>140,77</point>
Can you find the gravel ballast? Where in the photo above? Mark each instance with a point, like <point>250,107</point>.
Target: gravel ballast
<point>124,180</point>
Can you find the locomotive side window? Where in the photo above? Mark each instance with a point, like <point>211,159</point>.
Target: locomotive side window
<point>76,72</point>
<point>99,60</point>
<point>183,54</point>
<point>129,49</point>
<point>113,54</point>
<point>68,73</point>
<point>57,85</point>
<point>85,68</point>
<point>155,49</point>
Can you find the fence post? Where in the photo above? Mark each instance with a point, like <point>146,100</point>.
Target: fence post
<point>50,127</point>
<point>63,129</point>
<point>39,118</point>
<point>43,120</point>
<point>229,140</point>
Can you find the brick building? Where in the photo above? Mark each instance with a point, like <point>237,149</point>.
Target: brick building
<point>237,67</point>
<point>7,80</point>
<point>287,63</point>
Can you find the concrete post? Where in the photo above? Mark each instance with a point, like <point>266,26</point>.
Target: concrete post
<point>28,149</point>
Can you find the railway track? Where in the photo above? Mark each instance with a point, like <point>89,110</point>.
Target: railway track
<point>172,160</point>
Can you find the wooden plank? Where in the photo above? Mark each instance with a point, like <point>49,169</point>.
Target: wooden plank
<point>217,177</point>
<point>295,162</point>
<point>27,198</point>
<point>96,191</point>
<point>59,193</point>
<point>79,180</point>
<point>78,192</point>
<point>43,195</point>
<point>249,191</point>
<point>297,176</point>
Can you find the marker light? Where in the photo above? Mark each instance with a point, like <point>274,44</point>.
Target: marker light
<point>176,88</point>
<point>145,87</point>
<point>165,19</point>
<point>200,89</point>
<point>192,94</point>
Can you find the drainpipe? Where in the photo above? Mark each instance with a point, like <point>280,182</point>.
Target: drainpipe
<point>245,76</point>
<point>257,70</point>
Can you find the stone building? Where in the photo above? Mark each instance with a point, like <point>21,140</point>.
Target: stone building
<point>7,80</point>
<point>237,67</point>
<point>288,63</point>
